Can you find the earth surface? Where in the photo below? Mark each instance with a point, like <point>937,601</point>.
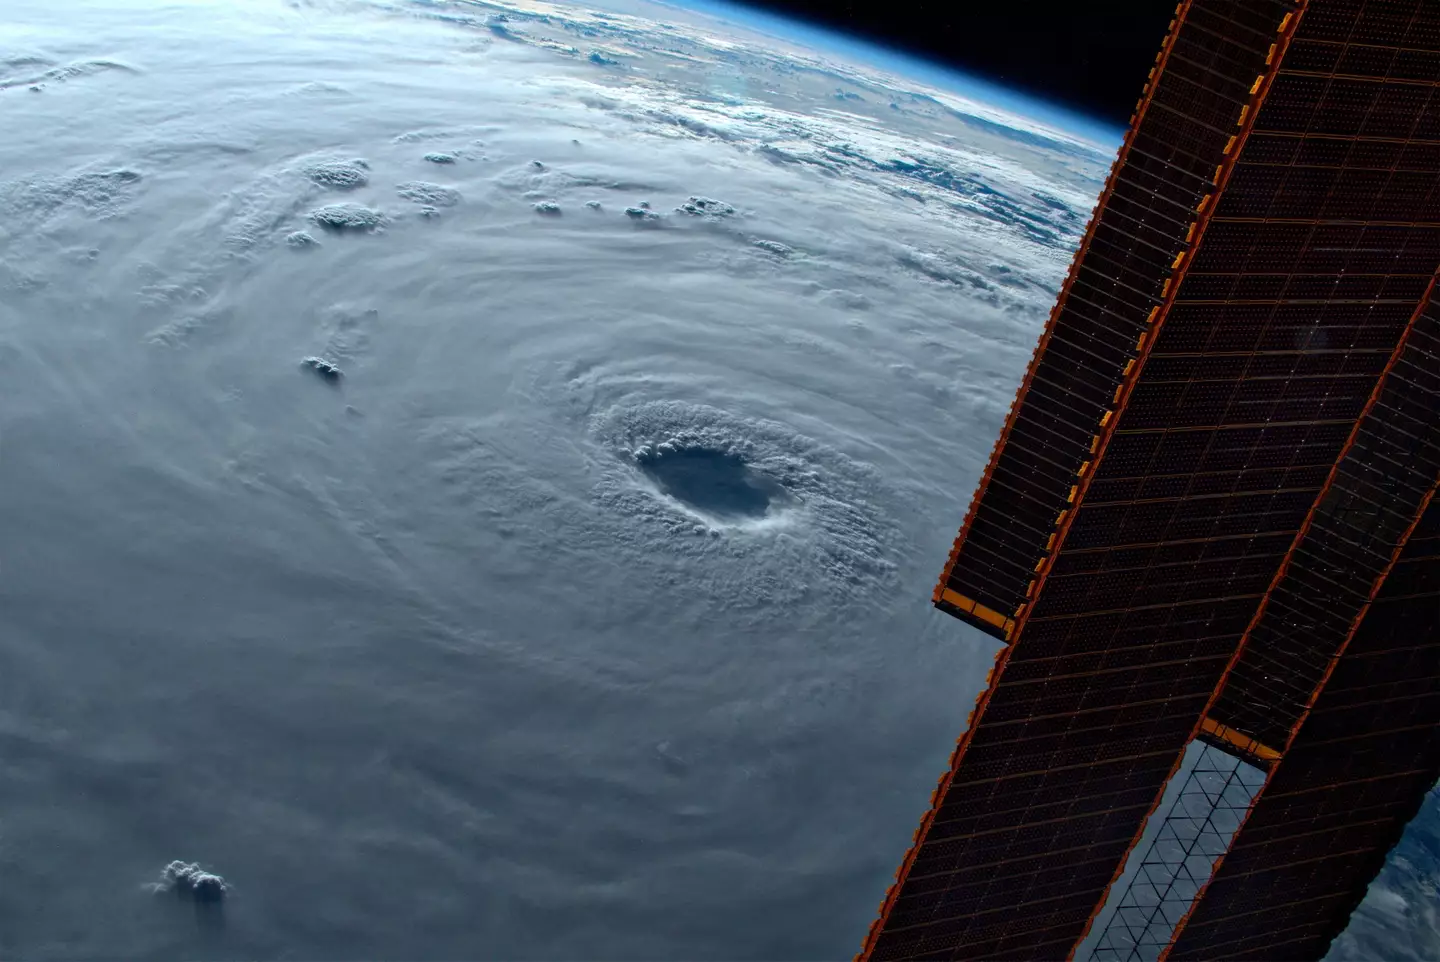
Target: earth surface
<point>472,474</point>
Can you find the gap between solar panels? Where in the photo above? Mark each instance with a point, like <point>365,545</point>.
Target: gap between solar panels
<point>1193,826</point>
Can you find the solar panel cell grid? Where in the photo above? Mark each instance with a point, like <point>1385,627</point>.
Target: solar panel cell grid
<point>993,938</point>
<point>1346,105</point>
<point>1370,155</point>
<point>1062,695</point>
<point>1304,884</point>
<point>996,849</point>
<point>1027,462</point>
<point>1167,586</point>
<point>1040,733</point>
<point>1422,65</point>
<point>1409,287</point>
<point>1165,173</point>
<point>1181,519</point>
<point>1295,812</point>
<point>1074,372</point>
<point>950,901</point>
<point>1349,782</point>
<point>998,882</point>
<point>1072,414</point>
<point>1198,623</point>
<point>1010,801</point>
<point>1309,819</point>
<point>1240,482</point>
<point>1115,658</point>
<point>1244,23</point>
<point>1332,20</point>
<point>1151,145</point>
<point>1361,671</point>
<point>1398,111</point>
<point>999,565</point>
<point>1291,103</point>
<point>952,821</point>
<point>1424,29</point>
<point>1360,60</point>
<point>1118,254</point>
<point>1131,454</point>
<point>1416,579</point>
<point>1312,56</point>
<point>1211,61</point>
<point>1105,336</point>
<point>1046,433</point>
<point>1069,564</point>
<point>1018,499</point>
<point>1385,709</point>
<point>1221,287</point>
<point>1211,104</point>
<point>1169,136</point>
<point>1005,535</point>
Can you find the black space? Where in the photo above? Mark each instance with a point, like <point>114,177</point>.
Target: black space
<point>1089,55</point>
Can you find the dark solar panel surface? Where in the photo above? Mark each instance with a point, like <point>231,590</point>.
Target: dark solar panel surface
<point>1387,470</point>
<point>1135,515</point>
<point>1339,800</point>
<point>1143,221</point>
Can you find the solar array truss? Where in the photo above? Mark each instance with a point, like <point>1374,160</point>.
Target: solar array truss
<point>1220,448</point>
<point>1195,830</point>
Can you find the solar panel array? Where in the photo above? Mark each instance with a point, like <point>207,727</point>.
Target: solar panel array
<point>1356,773</point>
<point>1261,248</point>
<point>1086,715</point>
<point>1372,499</point>
<point>1340,671</point>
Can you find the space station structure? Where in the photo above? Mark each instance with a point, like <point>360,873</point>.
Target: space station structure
<point>1208,537</point>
